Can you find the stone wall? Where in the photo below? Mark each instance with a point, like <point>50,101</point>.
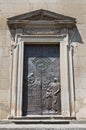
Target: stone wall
<point>10,8</point>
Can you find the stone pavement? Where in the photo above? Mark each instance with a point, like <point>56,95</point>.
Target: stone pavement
<point>13,126</point>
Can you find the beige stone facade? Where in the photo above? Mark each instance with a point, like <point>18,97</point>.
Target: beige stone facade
<point>75,9</point>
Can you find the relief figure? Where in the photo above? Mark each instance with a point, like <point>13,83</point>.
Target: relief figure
<point>52,95</point>
<point>33,81</point>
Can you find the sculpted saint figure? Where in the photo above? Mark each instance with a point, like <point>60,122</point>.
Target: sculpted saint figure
<point>52,95</point>
<point>33,81</point>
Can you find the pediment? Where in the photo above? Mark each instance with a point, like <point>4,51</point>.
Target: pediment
<point>41,18</point>
<point>41,15</point>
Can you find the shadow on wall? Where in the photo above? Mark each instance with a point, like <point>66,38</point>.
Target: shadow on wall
<point>74,35</point>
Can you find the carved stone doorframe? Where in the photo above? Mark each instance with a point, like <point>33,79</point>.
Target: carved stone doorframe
<point>66,72</point>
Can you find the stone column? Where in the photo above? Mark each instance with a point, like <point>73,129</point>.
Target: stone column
<point>14,81</point>
<point>20,77</point>
<point>71,74</point>
<point>64,72</point>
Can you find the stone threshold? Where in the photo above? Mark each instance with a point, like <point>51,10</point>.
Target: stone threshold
<point>42,119</point>
<point>54,120</point>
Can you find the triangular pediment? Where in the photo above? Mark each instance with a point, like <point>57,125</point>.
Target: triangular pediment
<point>41,15</point>
<point>41,22</point>
<point>41,18</point>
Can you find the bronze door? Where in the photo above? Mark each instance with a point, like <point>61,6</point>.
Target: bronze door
<point>41,82</point>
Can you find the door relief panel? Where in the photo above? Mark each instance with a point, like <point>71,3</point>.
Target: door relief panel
<point>41,91</point>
